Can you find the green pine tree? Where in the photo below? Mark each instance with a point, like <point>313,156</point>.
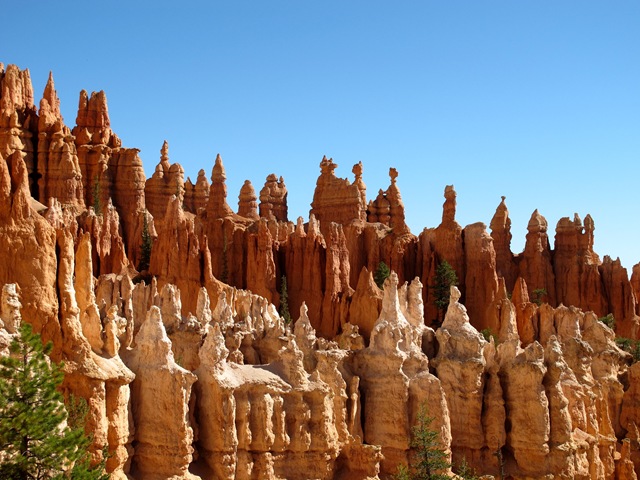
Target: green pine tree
<point>443,279</point>
<point>284,301</point>
<point>381,274</point>
<point>147,245</point>
<point>465,472</point>
<point>538,295</point>
<point>35,440</point>
<point>428,459</point>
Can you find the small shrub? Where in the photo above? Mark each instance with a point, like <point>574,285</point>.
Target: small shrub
<point>609,321</point>
<point>630,346</point>
<point>538,294</point>
<point>488,334</point>
<point>444,278</point>
<point>284,301</point>
<point>464,471</point>
<point>146,247</point>
<point>381,274</point>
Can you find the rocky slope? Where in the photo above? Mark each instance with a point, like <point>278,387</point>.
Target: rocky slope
<point>190,372</point>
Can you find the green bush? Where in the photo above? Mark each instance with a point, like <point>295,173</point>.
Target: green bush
<point>464,471</point>
<point>538,295</point>
<point>381,274</point>
<point>630,346</point>
<point>146,246</point>
<point>488,334</point>
<point>609,321</point>
<point>444,278</point>
<point>284,301</point>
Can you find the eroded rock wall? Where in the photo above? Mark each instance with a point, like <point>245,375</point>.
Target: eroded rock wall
<point>245,395</point>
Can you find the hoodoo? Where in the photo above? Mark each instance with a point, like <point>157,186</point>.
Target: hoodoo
<point>255,347</point>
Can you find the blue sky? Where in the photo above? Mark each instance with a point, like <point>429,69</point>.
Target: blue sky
<point>535,100</point>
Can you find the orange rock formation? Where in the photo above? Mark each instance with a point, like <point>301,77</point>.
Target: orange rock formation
<point>335,395</point>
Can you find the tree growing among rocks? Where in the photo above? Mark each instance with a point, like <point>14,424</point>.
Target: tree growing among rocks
<point>444,278</point>
<point>147,245</point>
<point>36,442</point>
<point>428,459</point>
<point>284,301</point>
<point>381,274</point>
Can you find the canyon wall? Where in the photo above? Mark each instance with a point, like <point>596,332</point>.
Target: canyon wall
<point>243,393</point>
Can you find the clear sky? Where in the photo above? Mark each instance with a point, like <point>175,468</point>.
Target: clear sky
<point>535,100</point>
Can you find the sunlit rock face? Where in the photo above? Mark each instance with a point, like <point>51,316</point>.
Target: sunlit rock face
<point>205,365</point>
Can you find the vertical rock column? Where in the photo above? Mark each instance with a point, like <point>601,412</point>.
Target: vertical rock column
<point>217,406</point>
<point>160,397</point>
<point>396,383</point>
<point>460,364</point>
<point>535,265</point>
<point>527,405</point>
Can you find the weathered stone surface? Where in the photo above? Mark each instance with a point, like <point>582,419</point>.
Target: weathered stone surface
<point>278,421</point>
<point>26,236</point>
<point>160,396</point>
<point>621,301</point>
<point>217,206</point>
<point>535,264</point>
<point>388,207</point>
<point>305,255</point>
<point>366,304</point>
<point>460,366</point>
<point>178,254</point>
<point>96,374</point>
<point>336,199</point>
<point>550,390</point>
<point>57,162</point>
<point>528,406</point>
<point>396,382</point>
<point>167,181</point>
<point>441,243</point>
<point>273,199</point>
<point>635,285</point>
<point>575,265</point>
<point>337,289</point>
<point>526,313</point>
<point>108,250</point>
<point>18,118</point>
<point>109,171</point>
<point>10,318</point>
<point>506,266</point>
<point>261,272</point>
<point>196,196</point>
<point>480,280</point>
<point>247,202</point>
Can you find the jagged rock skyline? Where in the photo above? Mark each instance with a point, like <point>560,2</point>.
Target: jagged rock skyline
<point>550,121</point>
<point>246,394</point>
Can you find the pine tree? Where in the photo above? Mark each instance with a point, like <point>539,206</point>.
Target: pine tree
<point>443,279</point>
<point>147,245</point>
<point>381,274</point>
<point>465,472</point>
<point>35,441</point>
<point>429,461</point>
<point>284,301</point>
